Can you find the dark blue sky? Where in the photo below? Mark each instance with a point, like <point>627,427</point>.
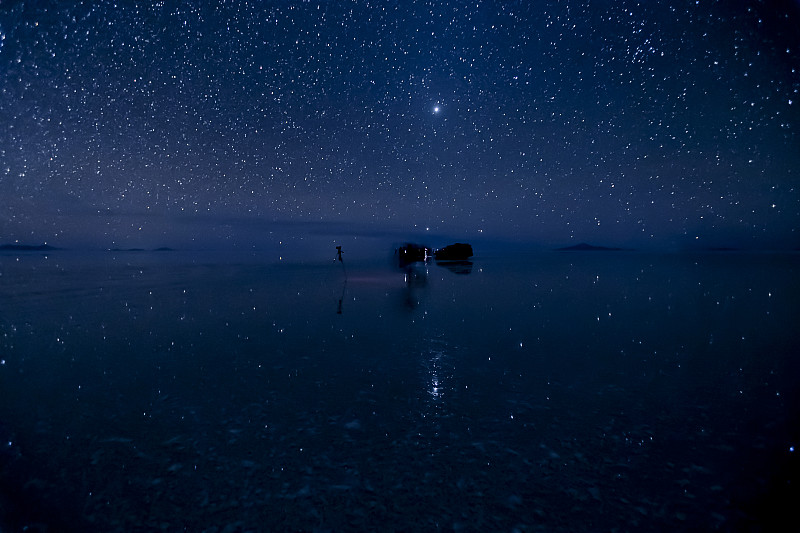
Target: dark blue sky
<point>647,124</point>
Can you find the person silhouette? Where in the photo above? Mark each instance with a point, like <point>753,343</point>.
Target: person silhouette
<point>341,260</point>
<point>344,285</point>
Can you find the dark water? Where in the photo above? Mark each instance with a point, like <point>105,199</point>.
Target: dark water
<point>552,392</point>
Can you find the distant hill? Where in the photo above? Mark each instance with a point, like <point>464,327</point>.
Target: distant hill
<point>26,248</point>
<point>162,249</point>
<point>584,247</point>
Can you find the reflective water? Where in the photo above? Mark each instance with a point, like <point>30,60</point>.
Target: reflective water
<point>554,391</point>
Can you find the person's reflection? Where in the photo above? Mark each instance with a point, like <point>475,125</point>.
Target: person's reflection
<point>341,298</point>
<point>344,284</point>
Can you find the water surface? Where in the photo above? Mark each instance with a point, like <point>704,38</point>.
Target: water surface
<point>551,391</point>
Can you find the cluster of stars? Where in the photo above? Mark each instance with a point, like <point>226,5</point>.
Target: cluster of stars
<point>629,121</point>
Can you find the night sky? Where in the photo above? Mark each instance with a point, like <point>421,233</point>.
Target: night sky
<point>647,124</point>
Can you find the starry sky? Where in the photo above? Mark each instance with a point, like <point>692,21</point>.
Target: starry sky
<point>647,124</point>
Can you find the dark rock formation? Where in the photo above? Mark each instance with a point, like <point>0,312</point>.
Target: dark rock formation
<point>411,253</point>
<point>455,252</point>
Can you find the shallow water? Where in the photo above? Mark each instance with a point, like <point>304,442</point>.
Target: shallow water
<point>552,391</point>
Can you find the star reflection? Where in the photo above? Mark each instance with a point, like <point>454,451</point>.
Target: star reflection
<point>436,390</point>
<point>436,371</point>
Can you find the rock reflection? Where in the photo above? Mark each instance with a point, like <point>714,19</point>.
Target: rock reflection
<point>456,267</point>
<point>416,282</point>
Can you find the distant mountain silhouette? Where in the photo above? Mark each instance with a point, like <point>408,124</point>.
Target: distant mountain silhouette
<point>27,248</point>
<point>584,247</point>
<point>162,249</point>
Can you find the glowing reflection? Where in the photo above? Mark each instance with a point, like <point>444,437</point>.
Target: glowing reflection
<point>434,361</point>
